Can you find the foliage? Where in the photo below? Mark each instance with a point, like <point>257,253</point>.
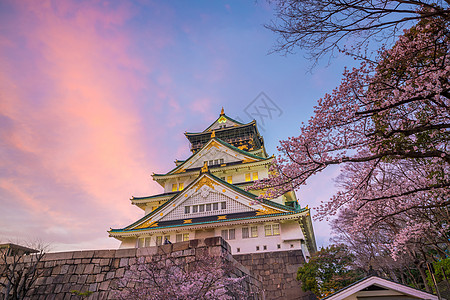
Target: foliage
<point>387,126</point>
<point>328,271</point>
<point>441,272</point>
<point>82,294</point>
<point>202,277</point>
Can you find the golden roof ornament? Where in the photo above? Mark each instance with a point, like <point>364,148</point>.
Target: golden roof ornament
<point>213,134</point>
<point>222,112</point>
<point>205,167</point>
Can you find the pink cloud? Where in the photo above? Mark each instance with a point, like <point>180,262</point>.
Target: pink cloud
<point>74,125</point>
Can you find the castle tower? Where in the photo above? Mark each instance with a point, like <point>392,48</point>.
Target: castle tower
<point>205,196</point>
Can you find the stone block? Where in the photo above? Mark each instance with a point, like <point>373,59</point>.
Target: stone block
<point>58,256</point>
<point>115,263</point>
<point>104,286</point>
<point>105,253</point>
<point>95,261</point>
<point>93,286</point>
<point>177,253</point>
<point>105,262</point>
<point>80,269</point>
<point>64,269</point>
<point>110,275</point>
<point>88,269</point>
<point>130,252</point>
<point>123,262</point>
<point>97,269</point>
<point>90,279</point>
<point>189,252</point>
<point>120,272</point>
<point>180,246</point>
<point>82,279</point>
<point>66,288</point>
<point>99,277</point>
<point>165,249</point>
<point>147,251</point>
<point>56,270</point>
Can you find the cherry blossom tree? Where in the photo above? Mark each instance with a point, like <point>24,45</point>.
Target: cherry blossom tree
<point>387,126</point>
<point>203,277</point>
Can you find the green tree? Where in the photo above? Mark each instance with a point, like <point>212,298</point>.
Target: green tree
<point>329,270</point>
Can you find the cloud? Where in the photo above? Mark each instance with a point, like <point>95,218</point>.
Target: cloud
<point>71,151</point>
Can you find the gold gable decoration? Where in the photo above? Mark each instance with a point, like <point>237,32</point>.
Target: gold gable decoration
<point>205,167</point>
<point>146,224</point>
<point>205,181</point>
<point>268,211</point>
<point>212,144</point>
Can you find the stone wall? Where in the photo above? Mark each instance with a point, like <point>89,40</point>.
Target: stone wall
<point>278,271</point>
<point>101,271</point>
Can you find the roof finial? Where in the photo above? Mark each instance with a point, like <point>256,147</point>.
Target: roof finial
<point>205,167</point>
<point>222,112</point>
<point>213,134</point>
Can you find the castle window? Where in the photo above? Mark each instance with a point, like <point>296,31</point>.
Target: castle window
<point>223,205</point>
<point>254,231</point>
<point>230,179</point>
<point>228,234</point>
<point>257,248</point>
<point>216,161</point>
<point>179,238</point>
<point>224,234</point>
<point>185,237</point>
<point>276,229</point>
<point>278,246</point>
<point>255,175</point>
<point>194,208</point>
<point>245,234</point>
<point>208,207</point>
<point>249,232</point>
<point>201,208</point>
<point>265,247</point>
<point>174,187</point>
<point>158,240</point>
<point>221,161</point>
<point>215,206</point>
<point>187,209</point>
<point>248,177</point>
<point>273,229</point>
<point>181,186</point>
<point>211,162</point>
<point>238,249</point>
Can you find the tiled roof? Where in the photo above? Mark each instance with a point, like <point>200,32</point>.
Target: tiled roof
<point>207,220</point>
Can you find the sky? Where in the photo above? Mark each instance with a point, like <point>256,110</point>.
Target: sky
<point>95,96</point>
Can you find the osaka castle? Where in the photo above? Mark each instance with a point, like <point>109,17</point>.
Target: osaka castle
<point>206,195</point>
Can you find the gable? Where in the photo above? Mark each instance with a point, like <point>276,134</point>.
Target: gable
<point>385,289</point>
<point>208,202</point>
<point>215,151</point>
<point>206,189</point>
<point>223,122</point>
